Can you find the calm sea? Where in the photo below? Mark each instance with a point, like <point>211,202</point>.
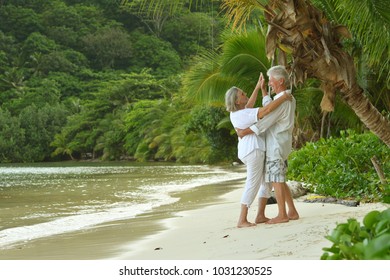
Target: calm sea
<point>43,200</point>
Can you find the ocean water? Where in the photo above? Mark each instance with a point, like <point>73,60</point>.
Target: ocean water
<point>38,201</point>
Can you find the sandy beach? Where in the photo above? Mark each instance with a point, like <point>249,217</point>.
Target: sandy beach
<point>210,233</point>
<point>204,232</point>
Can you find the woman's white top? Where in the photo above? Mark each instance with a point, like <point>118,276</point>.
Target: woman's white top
<point>243,119</point>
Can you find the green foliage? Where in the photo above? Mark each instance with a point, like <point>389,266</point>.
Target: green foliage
<point>11,137</point>
<point>38,43</point>
<point>353,241</point>
<point>39,126</point>
<point>82,63</point>
<point>87,62</point>
<point>191,33</point>
<point>342,167</point>
<point>108,48</point>
<point>205,120</point>
<point>27,138</point>
<point>154,53</point>
<point>239,64</point>
<point>142,124</point>
<point>99,126</point>
<point>20,21</point>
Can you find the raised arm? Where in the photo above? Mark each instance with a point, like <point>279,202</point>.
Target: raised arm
<point>260,85</point>
<point>273,105</point>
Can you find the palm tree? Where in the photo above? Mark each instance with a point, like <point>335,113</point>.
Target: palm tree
<point>301,31</point>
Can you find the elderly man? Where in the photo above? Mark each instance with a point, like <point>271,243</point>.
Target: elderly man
<point>278,126</point>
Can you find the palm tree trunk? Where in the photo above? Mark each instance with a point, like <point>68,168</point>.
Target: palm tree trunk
<point>367,113</point>
<point>296,27</point>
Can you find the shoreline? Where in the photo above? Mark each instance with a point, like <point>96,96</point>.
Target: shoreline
<point>202,226</point>
<point>105,241</point>
<point>210,233</point>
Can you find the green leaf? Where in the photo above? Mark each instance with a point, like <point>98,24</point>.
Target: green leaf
<point>382,227</point>
<point>386,215</point>
<point>378,247</point>
<point>370,219</point>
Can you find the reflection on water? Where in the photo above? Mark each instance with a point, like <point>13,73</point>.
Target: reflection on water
<point>43,200</point>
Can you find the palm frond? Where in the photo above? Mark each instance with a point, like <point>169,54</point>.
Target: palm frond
<point>204,81</point>
<point>245,55</point>
<point>369,22</point>
<point>239,64</point>
<point>154,7</point>
<point>238,12</point>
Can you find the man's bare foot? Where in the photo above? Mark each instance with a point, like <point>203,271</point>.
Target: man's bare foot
<point>261,220</point>
<point>278,220</point>
<point>293,215</point>
<point>245,224</point>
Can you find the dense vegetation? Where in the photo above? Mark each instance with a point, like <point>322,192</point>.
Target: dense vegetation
<point>100,80</point>
<point>341,167</point>
<point>97,79</point>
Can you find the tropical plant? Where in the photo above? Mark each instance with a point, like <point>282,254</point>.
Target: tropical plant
<point>142,124</point>
<point>300,32</point>
<point>239,63</point>
<point>11,137</point>
<point>153,53</point>
<point>345,162</point>
<point>191,33</point>
<point>108,48</point>
<point>355,241</point>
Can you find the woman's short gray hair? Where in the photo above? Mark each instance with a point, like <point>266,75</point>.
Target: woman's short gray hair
<point>231,98</point>
<point>279,72</point>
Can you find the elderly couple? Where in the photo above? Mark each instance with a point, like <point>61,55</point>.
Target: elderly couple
<point>265,141</point>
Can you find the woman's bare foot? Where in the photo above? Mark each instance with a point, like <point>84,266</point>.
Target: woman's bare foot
<point>245,224</point>
<point>278,220</point>
<point>261,220</point>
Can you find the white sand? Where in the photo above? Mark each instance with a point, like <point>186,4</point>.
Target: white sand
<point>211,233</point>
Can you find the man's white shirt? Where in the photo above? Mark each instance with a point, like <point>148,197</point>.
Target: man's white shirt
<point>278,125</point>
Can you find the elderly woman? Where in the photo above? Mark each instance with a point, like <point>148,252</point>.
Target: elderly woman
<point>251,148</point>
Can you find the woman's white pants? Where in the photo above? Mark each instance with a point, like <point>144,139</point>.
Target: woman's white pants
<point>255,178</point>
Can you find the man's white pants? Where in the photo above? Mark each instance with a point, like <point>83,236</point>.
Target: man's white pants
<point>255,180</point>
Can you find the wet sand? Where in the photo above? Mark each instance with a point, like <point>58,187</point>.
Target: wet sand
<point>106,241</point>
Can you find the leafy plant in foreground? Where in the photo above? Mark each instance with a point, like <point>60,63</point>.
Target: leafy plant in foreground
<point>352,241</point>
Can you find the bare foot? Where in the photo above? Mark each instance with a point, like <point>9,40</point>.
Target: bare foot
<point>245,224</point>
<point>293,215</point>
<point>261,220</point>
<point>278,220</point>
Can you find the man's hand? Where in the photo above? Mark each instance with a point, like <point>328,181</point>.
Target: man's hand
<point>287,96</point>
<point>243,132</point>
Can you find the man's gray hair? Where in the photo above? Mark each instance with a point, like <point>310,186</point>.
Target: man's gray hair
<point>279,72</point>
<point>231,98</point>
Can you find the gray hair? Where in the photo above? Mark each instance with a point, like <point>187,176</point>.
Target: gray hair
<point>231,98</point>
<point>279,72</point>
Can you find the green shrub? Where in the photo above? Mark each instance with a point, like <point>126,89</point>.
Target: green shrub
<point>352,241</point>
<point>342,167</point>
